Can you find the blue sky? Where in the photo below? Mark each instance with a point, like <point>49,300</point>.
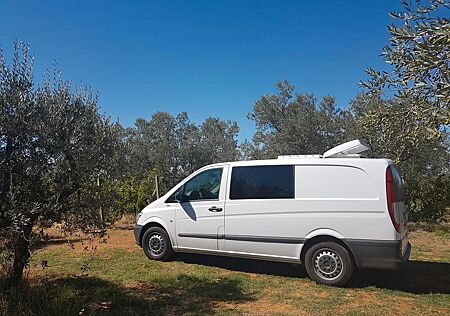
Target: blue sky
<point>208,58</point>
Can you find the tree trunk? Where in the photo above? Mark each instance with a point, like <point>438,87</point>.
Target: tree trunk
<point>6,183</point>
<point>102,215</point>
<point>21,255</point>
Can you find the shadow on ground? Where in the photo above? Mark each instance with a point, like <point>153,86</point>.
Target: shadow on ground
<point>245,265</point>
<point>90,296</point>
<point>56,242</point>
<point>417,277</point>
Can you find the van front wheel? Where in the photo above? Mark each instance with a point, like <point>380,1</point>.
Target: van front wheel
<point>329,263</point>
<point>156,244</point>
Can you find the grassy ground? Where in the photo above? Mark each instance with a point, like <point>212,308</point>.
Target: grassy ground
<point>112,276</point>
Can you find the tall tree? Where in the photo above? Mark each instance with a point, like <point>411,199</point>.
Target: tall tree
<point>291,123</point>
<point>407,113</point>
<point>53,145</point>
<point>218,141</point>
<point>420,57</point>
<point>423,161</point>
<point>173,147</point>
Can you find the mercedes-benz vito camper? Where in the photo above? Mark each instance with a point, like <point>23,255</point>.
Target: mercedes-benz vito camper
<point>331,212</point>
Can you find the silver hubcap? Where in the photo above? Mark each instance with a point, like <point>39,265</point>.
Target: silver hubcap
<point>156,244</point>
<point>328,264</point>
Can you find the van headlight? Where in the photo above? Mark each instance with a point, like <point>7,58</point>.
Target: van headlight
<point>138,216</point>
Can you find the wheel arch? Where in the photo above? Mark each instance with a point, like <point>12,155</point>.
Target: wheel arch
<point>154,222</point>
<point>325,237</point>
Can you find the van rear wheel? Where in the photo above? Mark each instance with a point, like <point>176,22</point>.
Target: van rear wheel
<point>329,263</point>
<point>156,244</point>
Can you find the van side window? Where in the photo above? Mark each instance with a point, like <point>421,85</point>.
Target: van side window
<point>204,186</point>
<point>262,182</point>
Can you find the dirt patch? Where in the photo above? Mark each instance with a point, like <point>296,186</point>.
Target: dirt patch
<point>312,293</point>
<point>263,306</point>
<point>364,301</point>
<point>126,222</point>
<point>429,246</point>
<point>267,304</point>
<point>372,302</point>
<point>358,300</point>
<point>78,242</point>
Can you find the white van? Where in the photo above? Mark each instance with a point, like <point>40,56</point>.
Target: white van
<point>331,212</point>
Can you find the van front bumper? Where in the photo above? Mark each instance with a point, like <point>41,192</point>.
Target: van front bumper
<point>137,234</point>
<point>379,254</point>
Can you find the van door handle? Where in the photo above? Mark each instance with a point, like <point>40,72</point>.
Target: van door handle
<point>215,209</point>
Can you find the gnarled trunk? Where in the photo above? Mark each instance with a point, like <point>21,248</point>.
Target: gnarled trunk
<point>21,255</point>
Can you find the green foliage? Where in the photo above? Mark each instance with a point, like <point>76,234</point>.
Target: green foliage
<point>53,145</point>
<point>130,195</point>
<point>393,130</point>
<point>291,123</point>
<point>420,56</point>
<point>169,148</point>
<point>217,141</point>
<point>430,198</point>
<point>412,127</point>
<point>173,147</point>
<point>146,192</point>
<point>126,197</point>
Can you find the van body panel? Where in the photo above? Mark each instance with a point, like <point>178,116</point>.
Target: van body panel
<point>161,216</point>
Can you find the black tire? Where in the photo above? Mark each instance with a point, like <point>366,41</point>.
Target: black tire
<point>156,244</point>
<point>329,263</point>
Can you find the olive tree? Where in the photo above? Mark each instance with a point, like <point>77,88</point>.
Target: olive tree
<point>53,145</point>
<point>175,147</point>
<point>395,132</point>
<point>419,54</point>
<point>293,123</point>
<point>170,148</point>
<point>406,112</point>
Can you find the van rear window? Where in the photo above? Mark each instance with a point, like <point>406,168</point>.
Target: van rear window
<point>262,182</point>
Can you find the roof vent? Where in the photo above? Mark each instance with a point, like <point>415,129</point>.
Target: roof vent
<point>349,149</point>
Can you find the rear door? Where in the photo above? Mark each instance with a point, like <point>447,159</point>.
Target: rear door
<point>399,206</point>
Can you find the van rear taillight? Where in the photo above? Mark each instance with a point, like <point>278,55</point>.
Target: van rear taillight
<point>391,198</point>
